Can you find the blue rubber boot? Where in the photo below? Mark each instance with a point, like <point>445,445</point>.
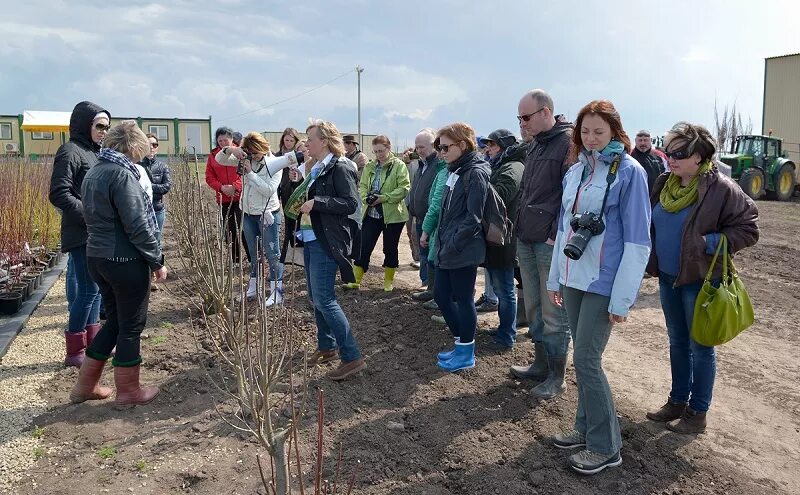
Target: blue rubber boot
<point>446,355</point>
<point>462,359</point>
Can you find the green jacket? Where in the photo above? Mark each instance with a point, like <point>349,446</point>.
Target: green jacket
<point>431,222</point>
<point>394,188</point>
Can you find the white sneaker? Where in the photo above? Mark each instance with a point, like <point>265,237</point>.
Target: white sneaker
<point>252,288</point>
<point>276,297</point>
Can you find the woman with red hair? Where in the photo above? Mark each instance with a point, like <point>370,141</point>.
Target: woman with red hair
<point>600,253</point>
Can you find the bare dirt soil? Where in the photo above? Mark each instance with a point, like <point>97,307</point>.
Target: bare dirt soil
<point>475,432</point>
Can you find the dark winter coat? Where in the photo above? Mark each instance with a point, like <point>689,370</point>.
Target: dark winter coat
<point>72,161</point>
<point>651,163</point>
<point>421,187</point>
<point>160,177</point>
<point>506,179</point>
<point>460,233</point>
<point>116,216</point>
<point>335,195</point>
<point>546,162</point>
<point>721,208</point>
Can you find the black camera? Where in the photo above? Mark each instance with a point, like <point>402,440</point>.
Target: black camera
<point>371,198</point>
<point>240,165</point>
<point>584,225</point>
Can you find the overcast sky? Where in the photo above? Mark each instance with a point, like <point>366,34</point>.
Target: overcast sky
<point>426,63</point>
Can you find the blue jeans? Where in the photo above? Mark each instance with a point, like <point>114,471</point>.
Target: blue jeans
<point>488,289</point>
<point>534,266</point>
<point>694,366</point>
<point>333,329</point>
<point>160,217</point>
<point>502,279</point>
<point>270,243</point>
<point>596,417</point>
<point>423,257</point>
<point>72,283</point>
<point>85,307</point>
<point>454,294</point>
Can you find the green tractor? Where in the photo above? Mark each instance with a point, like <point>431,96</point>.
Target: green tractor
<point>762,167</point>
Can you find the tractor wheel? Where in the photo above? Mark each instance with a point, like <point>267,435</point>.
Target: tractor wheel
<point>785,183</point>
<point>752,182</point>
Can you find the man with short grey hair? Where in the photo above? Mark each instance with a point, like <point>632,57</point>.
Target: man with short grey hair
<point>429,166</point>
<point>546,162</point>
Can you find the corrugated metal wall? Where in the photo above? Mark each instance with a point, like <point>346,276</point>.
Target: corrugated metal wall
<point>782,101</point>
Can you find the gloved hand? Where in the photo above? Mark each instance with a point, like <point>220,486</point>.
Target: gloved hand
<point>276,164</point>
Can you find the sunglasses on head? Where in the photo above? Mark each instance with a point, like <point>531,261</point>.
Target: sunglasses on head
<point>445,148</point>
<point>102,128</point>
<point>678,154</point>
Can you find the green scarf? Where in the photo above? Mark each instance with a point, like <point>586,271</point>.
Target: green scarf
<point>674,198</point>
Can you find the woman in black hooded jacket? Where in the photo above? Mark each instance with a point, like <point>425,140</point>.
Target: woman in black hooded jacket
<point>88,126</point>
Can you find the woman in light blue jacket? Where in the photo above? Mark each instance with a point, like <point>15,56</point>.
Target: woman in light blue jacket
<point>600,254</point>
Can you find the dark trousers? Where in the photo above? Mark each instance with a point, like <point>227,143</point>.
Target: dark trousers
<point>126,293</point>
<point>454,293</point>
<point>232,219</point>
<point>289,238</point>
<point>371,229</point>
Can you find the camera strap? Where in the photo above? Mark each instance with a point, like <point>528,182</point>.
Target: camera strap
<point>610,178</point>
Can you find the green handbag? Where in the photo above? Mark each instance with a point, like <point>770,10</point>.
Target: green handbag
<point>721,313</point>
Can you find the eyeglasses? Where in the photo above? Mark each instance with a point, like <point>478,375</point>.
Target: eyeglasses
<point>445,148</point>
<point>525,118</point>
<point>378,150</point>
<point>677,154</point>
<point>153,145</point>
<point>102,128</point>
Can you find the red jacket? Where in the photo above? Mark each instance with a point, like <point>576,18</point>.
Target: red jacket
<point>219,175</point>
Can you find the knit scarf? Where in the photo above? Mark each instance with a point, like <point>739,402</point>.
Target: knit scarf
<point>113,156</point>
<point>674,198</point>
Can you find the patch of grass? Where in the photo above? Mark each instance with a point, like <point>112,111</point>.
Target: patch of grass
<point>141,465</point>
<point>166,325</point>
<point>158,339</point>
<point>37,432</point>
<point>39,452</point>
<point>107,452</point>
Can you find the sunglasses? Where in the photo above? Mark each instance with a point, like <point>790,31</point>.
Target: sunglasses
<point>525,118</point>
<point>445,148</point>
<point>677,154</point>
<point>153,145</point>
<point>102,128</point>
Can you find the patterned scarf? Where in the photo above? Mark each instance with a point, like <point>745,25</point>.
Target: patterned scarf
<point>674,198</point>
<point>116,157</point>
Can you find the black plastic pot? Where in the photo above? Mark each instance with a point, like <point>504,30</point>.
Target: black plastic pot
<point>10,303</point>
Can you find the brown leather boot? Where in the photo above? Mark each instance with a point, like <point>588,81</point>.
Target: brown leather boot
<point>129,391</point>
<point>668,412</point>
<point>87,387</point>
<point>346,369</point>
<point>320,357</point>
<point>690,423</point>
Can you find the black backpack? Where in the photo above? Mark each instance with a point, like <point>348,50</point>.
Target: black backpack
<point>497,228</point>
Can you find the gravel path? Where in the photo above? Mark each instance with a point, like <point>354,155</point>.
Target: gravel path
<point>33,358</point>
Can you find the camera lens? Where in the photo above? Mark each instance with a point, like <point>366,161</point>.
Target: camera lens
<point>577,243</point>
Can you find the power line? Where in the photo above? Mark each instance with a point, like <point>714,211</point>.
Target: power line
<point>289,98</point>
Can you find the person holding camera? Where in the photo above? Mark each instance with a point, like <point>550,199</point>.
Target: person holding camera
<point>600,253</point>
<point>228,187</point>
<point>461,242</point>
<point>383,187</point>
<point>693,205</point>
<point>261,177</point>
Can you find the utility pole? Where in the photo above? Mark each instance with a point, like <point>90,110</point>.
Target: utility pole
<point>359,70</point>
